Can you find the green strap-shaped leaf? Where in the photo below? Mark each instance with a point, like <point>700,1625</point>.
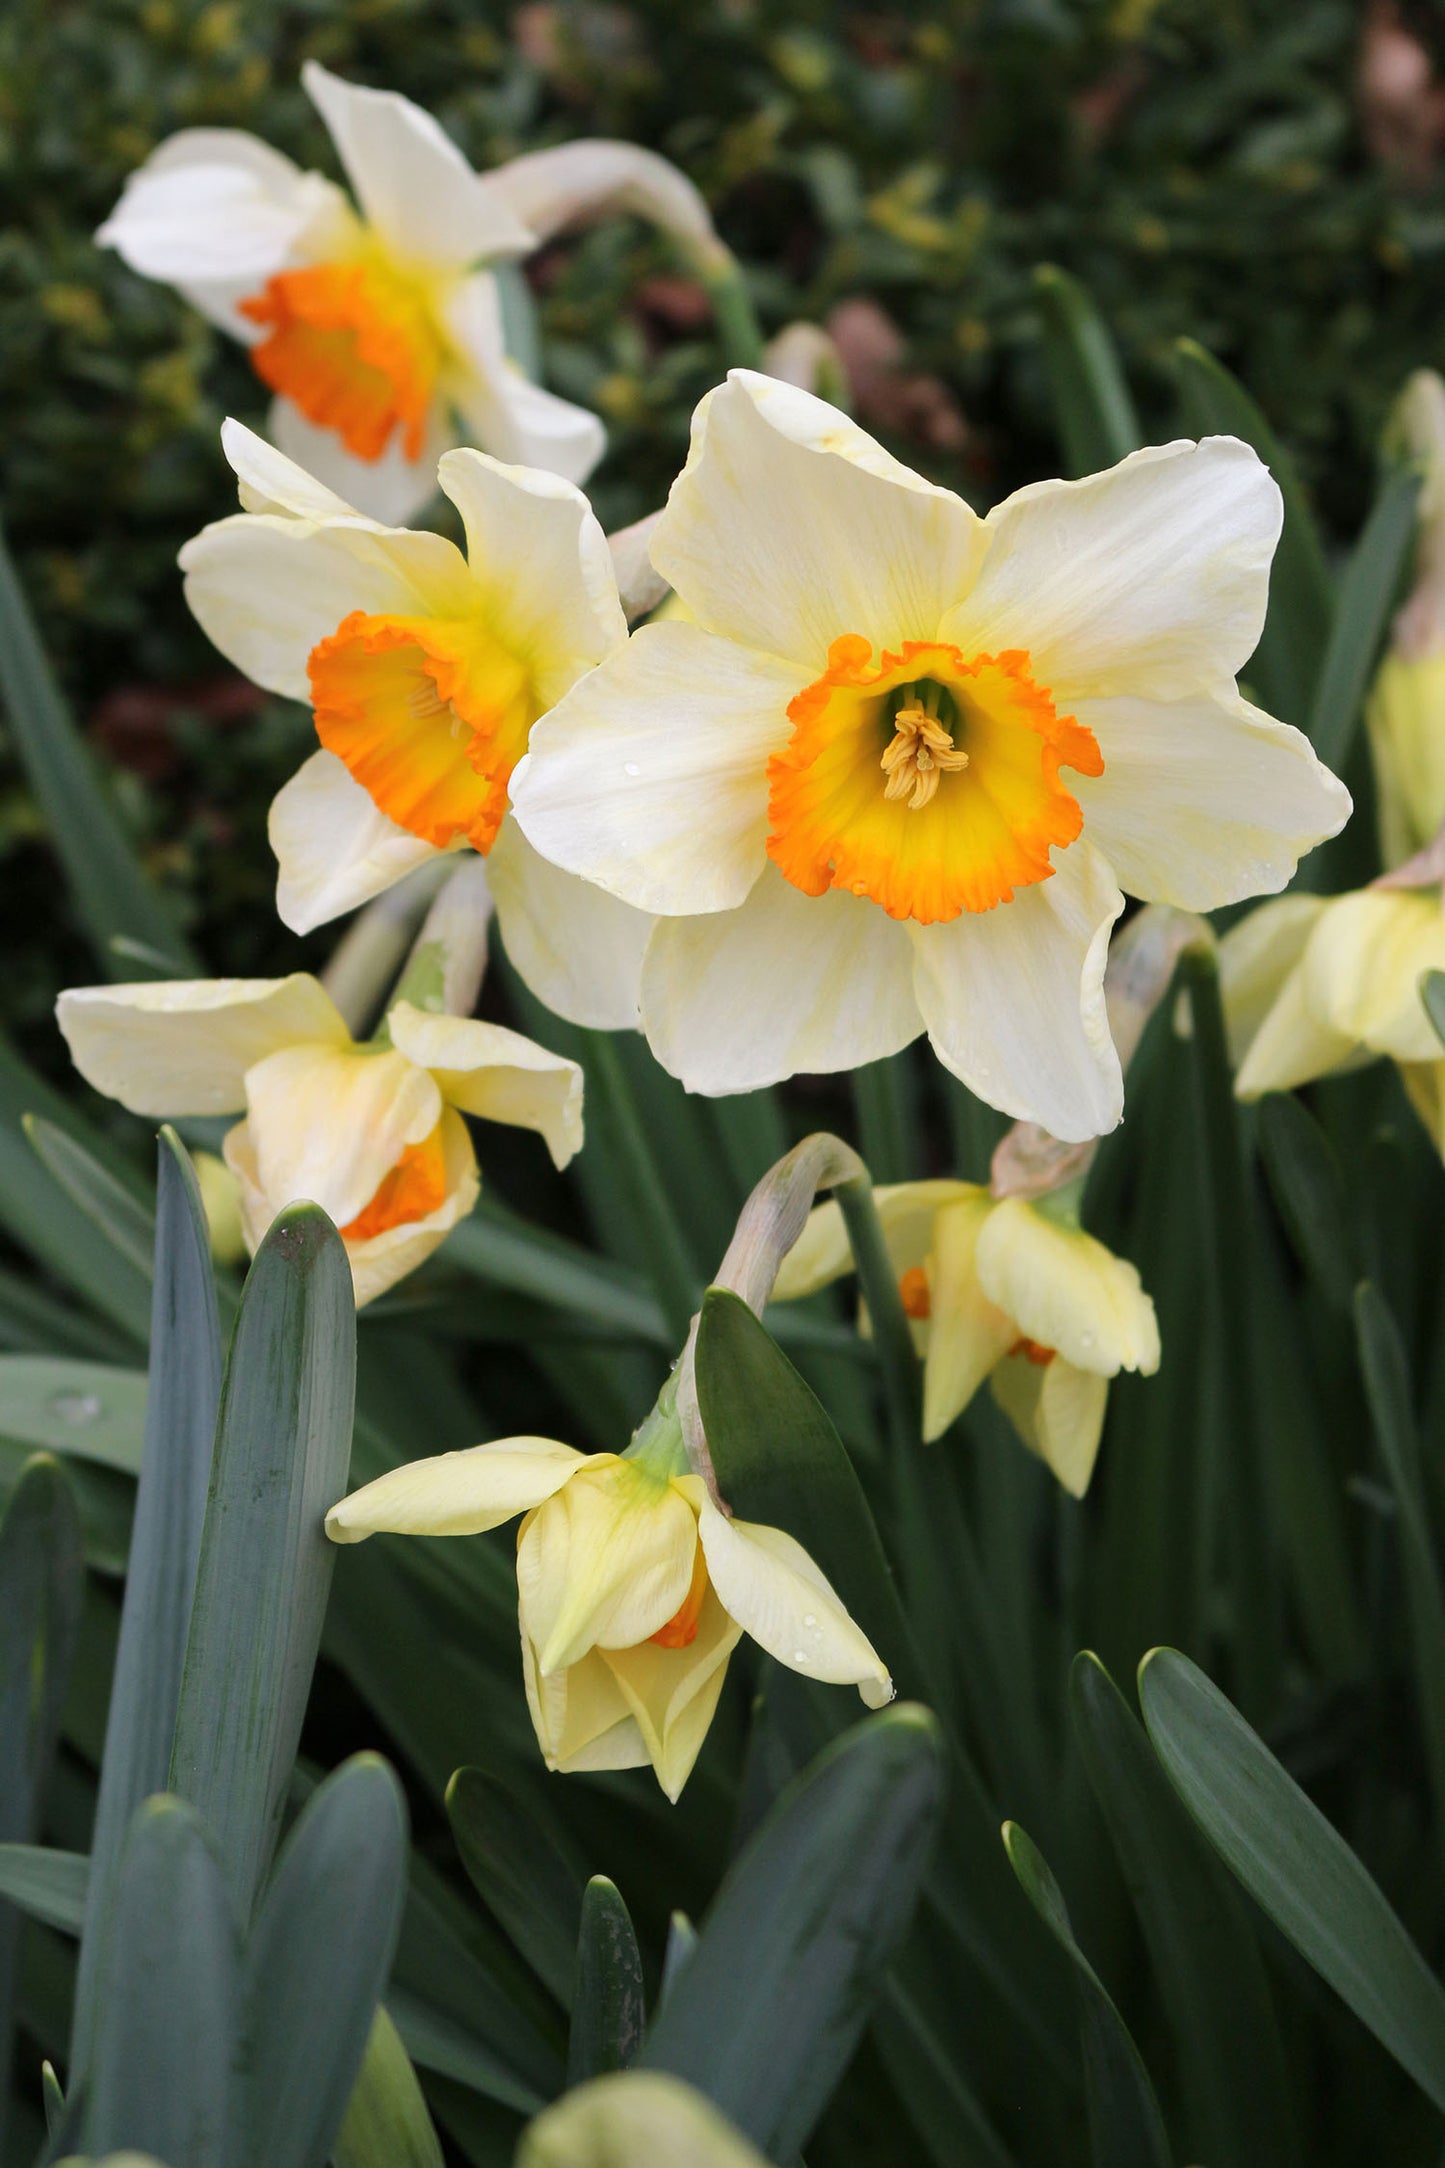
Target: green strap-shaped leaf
<point>523,1872</point>
<point>1432,992</point>
<point>1092,402</point>
<point>1206,1963</point>
<point>387,2123</point>
<point>112,1209</point>
<point>1368,588</point>
<point>167,2015</point>
<point>1296,1867</point>
<point>112,894</point>
<point>499,1247</point>
<point>795,1947</point>
<point>180,1419</point>
<point>608,2012</point>
<point>58,1404</point>
<point>1125,2125</point>
<point>1304,1174</point>
<point>1285,668</point>
<point>319,1951</point>
<point>282,1449</point>
<point>45,1885</point>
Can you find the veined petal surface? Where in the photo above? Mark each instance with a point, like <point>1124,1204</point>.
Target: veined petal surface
<point>1066,1292</point>
<point>579,949</point>
<point>184,1046</point>
<point>487,1070</point>
<point>330,1123</point>
<point>456,1494</point>
<point>605,1563</point>
<point>334,846</point>
<point>968,1333</point>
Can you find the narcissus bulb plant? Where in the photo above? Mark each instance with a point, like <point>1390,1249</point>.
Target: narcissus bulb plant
<point>1005,1289</point>
<point>372,1133</point>
<point>425,670</point>
<point>634,1589</point>
<point>377,324</point>
<point>896,771</point>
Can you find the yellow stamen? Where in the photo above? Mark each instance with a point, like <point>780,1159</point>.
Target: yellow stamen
<point>921,751</point>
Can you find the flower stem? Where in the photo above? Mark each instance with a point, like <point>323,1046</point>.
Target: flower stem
<point>902,1386</point>
<point>668,1263</point>
<point>739,333</point>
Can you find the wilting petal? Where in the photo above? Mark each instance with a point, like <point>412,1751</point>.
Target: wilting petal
<point>334,846</point>
<point>785,983</point>
<point>673,1693</point>
<point>330,1123</point>
<point>506,414</point>
<point>487,1070</point>
<point>772,1588</point>
<point>1058,1412</point>
<point>456,1494</point>
<point>1066,1291</point>
<point>967,1333</point>
<point>579,949</point>
<point>183,1046</point>
<point>1363,965</point>
<point>1150,579</point>
<point>606,1562</point>
<point>594,178</point>
<point>1014,999</point>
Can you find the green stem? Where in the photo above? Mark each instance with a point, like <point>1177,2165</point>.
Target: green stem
<point>739,332</point>
<point>902,1384</point>
<point>668,1263</point>
<point>887,1125</point>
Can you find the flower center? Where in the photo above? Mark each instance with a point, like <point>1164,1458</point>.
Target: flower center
<point>913,1288</point>
<point>354,347</point>
<point>971,806</point>
<point>430,715</point>
<point>681,1629</point>
<point>414,1188</point>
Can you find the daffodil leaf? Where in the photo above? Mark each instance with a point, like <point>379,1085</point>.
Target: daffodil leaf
<point>1369,587</point>
<point>1294,1864</point>
<point>93,1411</point>
<point>44,1884</point>
<point>523,1871</point>
<point>1095,410</point>
<point>1308,1187</point>
<point>1125,2125</point>
<point>608,2012</point>
<point>1432,993</point>
<point>387,2123</point>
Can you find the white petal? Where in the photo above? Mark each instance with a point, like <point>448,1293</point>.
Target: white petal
<point>1150,579</point>
<point>329,1123</point>
<point>456,1494</point>
<point>789,527</point>
<point>270,482</point>
<point>183,1046</point>
<point>1014,999</point>
<point>1204,801</point>
<point>771,1586</point>
<point>266,589</point>
<point>1293,1045</point>
<point>1066,1291</point>
<point>1256,956</point>
<point>785,983</point>
<point>541,565</point>
<point>967,1333</point>
<point>392,489</point>
<point>410,179</point>
<point>507,414</point>
<point>579,949</point>
<point>594,178</point>
<point>334,847</point>
<point>487,1070</point>
<point>650,777</point>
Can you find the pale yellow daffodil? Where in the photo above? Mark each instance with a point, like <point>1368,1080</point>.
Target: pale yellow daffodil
<point>1007,1290</point>
<point>378,326</point>
<point>372,1133</point>
<point>425,670</point>
<point>1405,714</point>
<point>633,1589</point>
<point>895,773</point>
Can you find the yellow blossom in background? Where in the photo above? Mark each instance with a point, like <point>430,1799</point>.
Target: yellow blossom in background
<point>894,773</point>
<point>372,1133</point>
<point>376,325</point>
<point>633,1590</point>
<point>1007,1290</point>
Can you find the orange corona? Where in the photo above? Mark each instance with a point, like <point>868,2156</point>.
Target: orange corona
<point>352,345</point>
<point>681,1629</point>
<point>913,1288</point>
<point>945,800</point>
<point>414,1189</point>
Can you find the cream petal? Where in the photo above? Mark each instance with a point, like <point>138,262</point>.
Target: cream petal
<point>487,1070</point>
<point>334,847</point>
<point>379,1261</point>
<point>1013,999</point>
<point>1203,801</point>
<point>507,414</point>
<point>629,2116</point>
<point>594,178</point>
<point>787,983</point>
<point>329,1123</point>
<point>1293,1045</point>
<point>967,1333</point>
<point>650,777</point>
<point>390,490</point>
<point>673,1693</point>
<point>1150,579</point>
<point>1255,958</point>
<point>826,533</point>
<point>907,1211</point>
<point>1424,1081</point>
<point>1058,1412</point>
<point>456,1494</point>
<point>606,1562</point>
<point>579,949</point>
<point>542,567</point>
<point>580,1716</point>
<point>270,482</point>
<point>770,1585</point>
<point>183,1046</point>
<point>410,179</point>
<point>1066,1291</point>
<point>1363,965</point>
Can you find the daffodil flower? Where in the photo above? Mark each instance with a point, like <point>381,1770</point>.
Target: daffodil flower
<point>633,1588</point>
<point>1007,1290</point>
<point>893,774</point>
<point>1405,713</point>
<point>425,670</point>
<point>376,325</point>
<point>372,1133</point>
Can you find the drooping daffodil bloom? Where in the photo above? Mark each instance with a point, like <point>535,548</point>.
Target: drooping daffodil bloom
<point>896,770</point>
<point>1005,1289</point>
<point>425,670</point>
<point>372,1133</point>
<point>1405,712</point>
<point>633,1586</point>
<point>377,324</point>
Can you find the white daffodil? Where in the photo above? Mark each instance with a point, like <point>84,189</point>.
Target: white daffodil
<point>425,670</point>
<point>377,325</point>
<point>892,776</point>
<point>372,1133</point>
<point>1003,1289</point>
<point>633,1590</point>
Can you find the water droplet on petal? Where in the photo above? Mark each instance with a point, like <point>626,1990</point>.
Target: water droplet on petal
<point>809,1619</point>
<point>1086,1339</point>
<point>76,1407</point>
<point>630,767</point>
<point>800,1656</point>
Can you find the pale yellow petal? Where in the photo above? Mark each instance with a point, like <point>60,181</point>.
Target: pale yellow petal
<point>580,1716</point>
<point>183,1046</point>
<point>673,1693</point>
<point>456,1494</point>
<point>1066,1291</point>
<point>1256,956</point>
<point>1406,719</point>
<point>606,1562</point>
<point>1425,1083</point>
<point>822,1251</point>
<point>967,1333</point>
<point>634,2119</point>
<point>1058,1412</point>
<point>487,1070</point>
<point>329,1123</point>
<point>1363,966</point>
